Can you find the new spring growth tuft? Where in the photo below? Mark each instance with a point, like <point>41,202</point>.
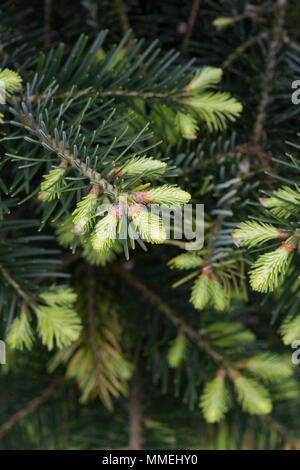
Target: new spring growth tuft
<point>268,268</point>
<point>105,232</point>
<point>222,22</point>
<point>168,195</point>
<point>284,203</point>
<point>251,233</point>
<point>148,225</point>
<point>53,183</point>
<point>207,291</point>
<point>10,82</point>
<point>84,214</point>
<point>207,77</point>
<point>187,125</point>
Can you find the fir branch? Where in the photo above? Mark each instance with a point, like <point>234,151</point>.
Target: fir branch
<point>76,163</point>
<point>135,410</point>
<point>31,406</point>
<point>279,16</point>
<point>93,92</point>
<point>239,51</point>
<point>27,299</point>
<point>154,299</point>
<point>91,325</point>
<point>281,430</point>
<point>190,26</point>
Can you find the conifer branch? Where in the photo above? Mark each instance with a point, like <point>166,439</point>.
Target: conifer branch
<point>154,299</point>
<point>28,300</point>
<point>31,406</point>
<point>190,26</point>
<point>279,16</point>
<point>239,51</point>
<point>91,323</point>
<point>281,430</point>
<point>135,410</point>
<point>93,176</point>
<point>112,93</point>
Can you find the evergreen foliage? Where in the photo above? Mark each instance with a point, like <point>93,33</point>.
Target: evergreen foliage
<point>108,317</point>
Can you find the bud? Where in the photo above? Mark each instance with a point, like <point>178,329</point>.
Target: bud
<point>78,229</point>
<point>104,235</point>
<point>207,77</point>
<point>177,351</point>
<point>85,212</point>
<point>222,22</point>
<point>53,182</point>
<point>187,125</point>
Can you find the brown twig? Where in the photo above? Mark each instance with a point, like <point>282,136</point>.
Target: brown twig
<point>190,26</point>
<point>125,93</point>
<point>135,410</point>
<point>47,21</point>
<point>91,322</point>
<point>241,49</point>
<point>279,15</point>
<point>27,299</point>
<point>281,430</point>
<point>154,299</point>
<point>31,406</point>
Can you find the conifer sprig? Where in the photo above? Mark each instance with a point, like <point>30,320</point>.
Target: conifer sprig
<point>215,400</point>
<point>268,269</point>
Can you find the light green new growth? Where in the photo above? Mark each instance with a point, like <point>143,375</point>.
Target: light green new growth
<point>85,211</point>
<point>177,351</point>
<point>143,166</point>
<point>186,261</point>
<point>285,202</point>
<point>207,77</point>
<point>215,109</point>
<point>253,397</point>
<point>222,22</point>
<point>149,226</point>
<point>187,125</point>
<point>20,334</point>
<point>230,334</point>
<point>218,296</point>
<point>215,400</point>
<point>266,271</point>
<point>207,292</point>
<point>57,320</point>
<point>170,195</point>
<point>104,234</point>
<point>290,329</point>
<point>53,183</point>
<point>100,258</point>
<point>10,81</point>
<point>251,233</point>
<point>270,367</point>
<point>200,295</point>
